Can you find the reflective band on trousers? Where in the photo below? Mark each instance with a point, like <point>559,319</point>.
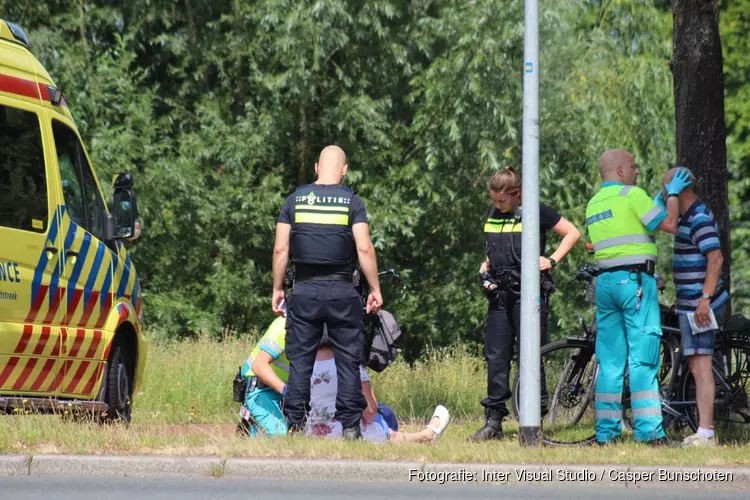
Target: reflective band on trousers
<point>608,397</point>
<point>645,395</point>
<point>615,414</point>
<point>623,240</point>
<point>625,261</point>
<point>651,411</point>
<point>647,412</point>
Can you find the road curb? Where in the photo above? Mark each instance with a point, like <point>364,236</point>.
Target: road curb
<point>352,470</point>
<point>125,465</point>
<point>14,465</point>
<point>619,476</point>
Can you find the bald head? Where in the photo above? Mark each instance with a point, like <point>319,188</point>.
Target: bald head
<point>331,165</point>
<point>617,165</point>
<point>670,175</point>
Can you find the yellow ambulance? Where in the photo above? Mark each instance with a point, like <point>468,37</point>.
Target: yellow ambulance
<point>71,325</point>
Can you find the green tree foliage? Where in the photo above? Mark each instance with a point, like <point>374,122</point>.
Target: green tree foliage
<point>735,26</point>
<point>221,107</point>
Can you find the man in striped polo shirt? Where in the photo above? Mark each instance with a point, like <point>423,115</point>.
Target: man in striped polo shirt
<point>696,268</point>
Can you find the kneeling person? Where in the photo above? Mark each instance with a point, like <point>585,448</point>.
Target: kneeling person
<point>267,371</point>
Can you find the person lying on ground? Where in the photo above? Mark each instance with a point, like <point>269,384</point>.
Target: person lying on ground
<point>321,421</point>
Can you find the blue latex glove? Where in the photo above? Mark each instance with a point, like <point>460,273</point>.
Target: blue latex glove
<point>680,181</point>
<point>283,391</point>
<point>659,200</point>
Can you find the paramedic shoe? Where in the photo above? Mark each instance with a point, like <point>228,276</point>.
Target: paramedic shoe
<point>441,413</point>
<point>493,427</point>
<point>353,433</point>
<point>698,440</point>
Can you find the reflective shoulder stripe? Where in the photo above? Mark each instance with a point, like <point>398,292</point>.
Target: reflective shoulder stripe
<point>623,240</point>
<point>651,215</point>
<point>625,190</point>
<point>272,346</point>
<point>625,261</point>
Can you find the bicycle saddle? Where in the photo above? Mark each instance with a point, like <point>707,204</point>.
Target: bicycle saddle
<point>737,323</point>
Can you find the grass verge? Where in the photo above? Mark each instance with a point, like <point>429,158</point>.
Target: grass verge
<point>186,408</point>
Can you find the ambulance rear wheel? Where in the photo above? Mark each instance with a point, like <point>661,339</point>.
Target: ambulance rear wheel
<point>119,385</point>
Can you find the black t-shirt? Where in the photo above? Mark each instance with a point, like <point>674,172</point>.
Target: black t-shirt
<point>356,209</point>
<point>548,218</point>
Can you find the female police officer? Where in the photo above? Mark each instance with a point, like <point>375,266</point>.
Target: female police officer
<point>502,270</point>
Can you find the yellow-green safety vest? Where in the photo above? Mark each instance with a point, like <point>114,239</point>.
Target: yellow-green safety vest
<point>618,219</point>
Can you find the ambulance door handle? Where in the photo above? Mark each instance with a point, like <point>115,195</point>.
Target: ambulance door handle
<point>51,249</point>
<point>71,256</point>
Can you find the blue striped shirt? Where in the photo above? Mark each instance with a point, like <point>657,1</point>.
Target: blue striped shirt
<point>697,234</point>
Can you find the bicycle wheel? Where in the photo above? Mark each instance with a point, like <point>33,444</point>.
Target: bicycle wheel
<point>731,365</point>
<point>731,380</point>
<point>570,371</point>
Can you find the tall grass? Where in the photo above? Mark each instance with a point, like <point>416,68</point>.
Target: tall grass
<point>191,382</point>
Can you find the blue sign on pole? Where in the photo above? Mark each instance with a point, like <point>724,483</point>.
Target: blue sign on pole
<point>529,67</point>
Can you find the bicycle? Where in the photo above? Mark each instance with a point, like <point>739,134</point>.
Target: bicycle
<point>570,416</point>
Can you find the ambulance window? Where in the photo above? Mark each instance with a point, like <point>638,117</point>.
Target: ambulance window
<point>66,144</point>
<point>23,181</point>
<point>94,203</point>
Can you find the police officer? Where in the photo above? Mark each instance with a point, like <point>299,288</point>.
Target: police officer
<point>502,269</point>
<point>324,228</point>
<point>621,220</point>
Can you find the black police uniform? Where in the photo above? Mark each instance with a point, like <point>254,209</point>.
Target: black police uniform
<point>503,325</point>
<point>323,252</point>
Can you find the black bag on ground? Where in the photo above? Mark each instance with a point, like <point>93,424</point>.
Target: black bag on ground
<point>380,349</point>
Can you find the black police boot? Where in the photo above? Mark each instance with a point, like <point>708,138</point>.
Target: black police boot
<point>295,428</point>
<point>493,427</point>
<point>353,433</point>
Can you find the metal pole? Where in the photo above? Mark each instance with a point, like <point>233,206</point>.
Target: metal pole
<point>530,419</point>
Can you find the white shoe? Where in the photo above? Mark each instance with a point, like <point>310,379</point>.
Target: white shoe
<point>441,412</point>
<point>698,440</point>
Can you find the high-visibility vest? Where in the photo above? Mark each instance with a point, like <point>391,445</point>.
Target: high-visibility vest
<point>618,219</point>
<point>274,343</point>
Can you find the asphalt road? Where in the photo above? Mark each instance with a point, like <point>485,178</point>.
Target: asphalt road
<point>96,488</point>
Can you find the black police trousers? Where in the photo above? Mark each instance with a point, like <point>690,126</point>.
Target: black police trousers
<point>337,304</point>
<point>503,329</point>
